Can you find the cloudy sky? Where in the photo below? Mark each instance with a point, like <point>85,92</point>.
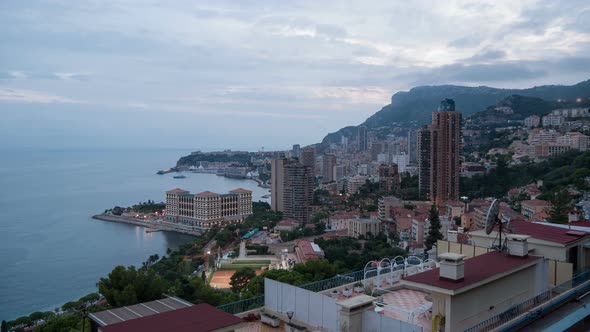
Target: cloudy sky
<point>246,74</point>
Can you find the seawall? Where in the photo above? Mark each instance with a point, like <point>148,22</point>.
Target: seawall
<point>154,224</point>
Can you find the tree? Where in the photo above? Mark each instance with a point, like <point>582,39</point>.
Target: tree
<point>434,233</point>
<point>150,262</point>
<point>71,306</point>
<point>316,270</point>
<point>560,206</point>
<point>4,326</point>
<point>241,278</point>
<point>127,286</point>
<point>256,285</point>
<point>92,297</point>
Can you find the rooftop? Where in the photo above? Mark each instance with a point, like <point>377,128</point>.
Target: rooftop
<point>536,202</point>
<point>240,191</point>
<point>197,318</point>
<point>477,269</point>
<point>289,222</point>
<point>177,191</point>
<point>305,251</point>
<point>122,314</point>
<point>207,193</point>
<point>544,232</point>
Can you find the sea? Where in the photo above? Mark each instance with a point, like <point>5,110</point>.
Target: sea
<point>51,250</point>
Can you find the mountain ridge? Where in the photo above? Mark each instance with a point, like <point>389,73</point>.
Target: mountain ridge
<point>414,107</point>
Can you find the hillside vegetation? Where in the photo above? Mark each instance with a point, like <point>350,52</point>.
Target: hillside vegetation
<point>414,107</point>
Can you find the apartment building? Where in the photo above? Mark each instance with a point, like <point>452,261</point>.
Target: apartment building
<point>533,206</point>
<point>362,227</point>
<point>439,150</point>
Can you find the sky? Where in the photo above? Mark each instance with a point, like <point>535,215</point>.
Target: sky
<point>250,74</point>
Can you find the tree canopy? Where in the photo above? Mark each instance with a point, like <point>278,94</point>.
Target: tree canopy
<point>127,286</point>
<point>434,233</point>
<point>241,278</point>
<point>560,207</point>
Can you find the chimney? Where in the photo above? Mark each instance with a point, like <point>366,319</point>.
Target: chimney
<point>452,236</point>
<point>452,266</point>
<point>518,245</point>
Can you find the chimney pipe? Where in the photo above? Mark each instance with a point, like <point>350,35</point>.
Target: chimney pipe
<point>452,266</point>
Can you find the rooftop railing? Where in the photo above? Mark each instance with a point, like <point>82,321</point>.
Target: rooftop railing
<point>548,297</point>
<point>248,304</point>
<point>318,286</point>
<point>337,281</point>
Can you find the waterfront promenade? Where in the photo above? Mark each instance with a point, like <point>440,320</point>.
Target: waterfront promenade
<point>158,224</point>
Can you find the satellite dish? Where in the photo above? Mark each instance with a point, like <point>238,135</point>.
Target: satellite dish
<point>492,218</point>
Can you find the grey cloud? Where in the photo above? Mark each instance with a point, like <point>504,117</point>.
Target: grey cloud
<point>466,42</point>
<point>331,30</point>
<point>490,72</point>
<point>487,55</point>
<point>581,22</point>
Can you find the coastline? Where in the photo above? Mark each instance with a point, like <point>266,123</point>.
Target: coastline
<point>158,225</point>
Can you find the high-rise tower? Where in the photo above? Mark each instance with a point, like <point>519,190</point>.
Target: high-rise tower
<point>362,138</point>
<point>439,155</point>
<point>277,177</point>
<point>308,158</point>
<point>298,186</point>
<point>329,161</point>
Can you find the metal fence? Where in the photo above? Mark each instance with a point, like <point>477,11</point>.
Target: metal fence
<point>522,308</point>
<point>337,281</point>
<point>318,286</point>
<point>243,305</point>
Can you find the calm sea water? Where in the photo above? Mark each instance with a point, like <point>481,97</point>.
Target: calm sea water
<point>51,251</point>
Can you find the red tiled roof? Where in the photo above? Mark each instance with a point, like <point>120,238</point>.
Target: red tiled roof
<point>536,202</point>
<point>543,232</point>
<point>289,222</point>
<point>455,204</point>
<point>198,318</point>
<point>240,191</point>
<point>176,191</point>
<point>582,223</point>
<point>305,252</point>
<point>399,212</point>
<point>477,269</point>
<point>331,235</point>
<point>345,215</point>
<point>207,193</point>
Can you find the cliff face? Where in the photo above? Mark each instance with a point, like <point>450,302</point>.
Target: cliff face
<point>414,107</point>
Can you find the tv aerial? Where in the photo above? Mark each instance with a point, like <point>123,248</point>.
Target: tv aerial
<point>493,219</point>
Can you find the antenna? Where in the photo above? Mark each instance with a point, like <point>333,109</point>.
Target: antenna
<point>493,218</point>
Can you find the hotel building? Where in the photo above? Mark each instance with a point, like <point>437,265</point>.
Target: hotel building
<point>207,209</point>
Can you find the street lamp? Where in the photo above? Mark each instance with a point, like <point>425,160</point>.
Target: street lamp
<point>84,315</point>
<point>465,199</point>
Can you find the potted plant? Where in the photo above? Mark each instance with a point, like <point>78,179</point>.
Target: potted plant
<point>334,293</point>
<point>269,319</point>
<point>347,292</point>
<point>290,327</point>
<point>358,287</point>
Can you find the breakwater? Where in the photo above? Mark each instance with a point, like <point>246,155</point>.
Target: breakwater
<point>150,224</point>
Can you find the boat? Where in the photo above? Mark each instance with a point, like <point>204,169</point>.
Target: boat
<point>181,176</point>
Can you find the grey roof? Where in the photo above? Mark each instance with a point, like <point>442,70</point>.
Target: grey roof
<point>122,314</point>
